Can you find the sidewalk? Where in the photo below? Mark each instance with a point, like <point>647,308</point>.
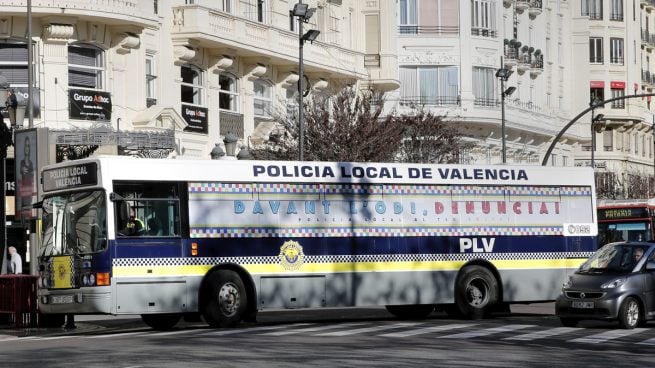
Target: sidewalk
<point>83,324</point>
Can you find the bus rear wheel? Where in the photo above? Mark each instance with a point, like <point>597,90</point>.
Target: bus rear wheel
<point>418,311</point>
<point>225,299</point>
<point>163,321</point>
<point>476,292</point>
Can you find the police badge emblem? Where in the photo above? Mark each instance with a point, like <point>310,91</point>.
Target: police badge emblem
<point>291,255</point>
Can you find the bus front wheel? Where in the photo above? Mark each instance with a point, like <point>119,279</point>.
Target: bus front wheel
<point>226,299</point>
<point>476,292</point>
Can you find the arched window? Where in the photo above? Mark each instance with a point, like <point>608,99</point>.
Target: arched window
<point>228,95</point>
<point>263,98</point>
<point>86,66</point>
<point>191,89</point>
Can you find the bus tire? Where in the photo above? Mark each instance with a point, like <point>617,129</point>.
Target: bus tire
<point>476,292</point>
<point>226,299</point>
<point>161,321</point>
<point>417,311</point>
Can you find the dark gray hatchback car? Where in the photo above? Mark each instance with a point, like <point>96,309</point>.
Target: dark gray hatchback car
<point>616,283</point>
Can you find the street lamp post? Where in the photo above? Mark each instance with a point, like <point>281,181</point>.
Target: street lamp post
<point>503,74</point>
<point>303,13</point>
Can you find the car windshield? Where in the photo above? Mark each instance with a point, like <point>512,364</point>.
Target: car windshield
<point>616,257</point>
<point>74,223</point>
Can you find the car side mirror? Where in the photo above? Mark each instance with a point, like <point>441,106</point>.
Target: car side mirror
<point>650,266</point>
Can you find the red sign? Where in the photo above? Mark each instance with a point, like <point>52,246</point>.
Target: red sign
<point>617,85</point>
<point>597,84</point>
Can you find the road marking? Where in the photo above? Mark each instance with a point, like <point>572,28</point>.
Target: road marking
<point>367,329</point>
<point>606,336</point>
<point>116,335</point>
<point>647,342</point>
<point>310,329</point>
<point>178,332</point>
<point>486,331</point>
<point>543,334</point>
<point>426,330</point>
<point>234,331</point>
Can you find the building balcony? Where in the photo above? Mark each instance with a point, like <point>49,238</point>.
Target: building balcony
<point>521,5</point>
<point>524,63</point>
<point>112,12</point>
<point>537,65</point>
<point>535,8</point>
<point>231,122</point>
<point>197,26</point>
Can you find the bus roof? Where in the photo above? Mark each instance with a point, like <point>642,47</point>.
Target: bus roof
<point>145,169</point>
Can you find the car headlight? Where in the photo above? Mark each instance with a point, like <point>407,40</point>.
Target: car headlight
<point>614,283</point>
<point>567,284</point>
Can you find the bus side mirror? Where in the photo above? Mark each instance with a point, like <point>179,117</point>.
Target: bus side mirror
<point>37,205</point>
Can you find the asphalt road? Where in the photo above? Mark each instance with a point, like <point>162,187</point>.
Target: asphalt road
<point>530,336</point>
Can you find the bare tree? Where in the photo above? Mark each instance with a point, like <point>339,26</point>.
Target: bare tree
<point>428,138</point>
<point>349,125</point>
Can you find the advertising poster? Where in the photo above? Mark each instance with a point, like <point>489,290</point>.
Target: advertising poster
<point>196,117</point>
<point>26,174</point>
<point>89,105</point>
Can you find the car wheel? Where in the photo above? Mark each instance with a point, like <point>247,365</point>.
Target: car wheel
<point>629,313</point>
<point>569,322</point>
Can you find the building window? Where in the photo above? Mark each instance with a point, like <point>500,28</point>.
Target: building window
<point>592,8</point>
<point>618,92</point>
<point>151,81</point>
<point>596,50</point>
<point>608,140</point>
<point>429,85</point>
<point>483,18</point>
<point>228,95</point>
<point>13,63</point>
<point>616,10</point>
<point>596,94</point>
<point>254,10</point>
<point>86,66</point>
<point>225,6</point>
<point>616,51</point>
<point>484,86</point>
<point>408,17</point>
<point>191,88</point>
<point>263,98</point>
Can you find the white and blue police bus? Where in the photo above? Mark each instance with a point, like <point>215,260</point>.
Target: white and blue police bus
<point>226,239</point>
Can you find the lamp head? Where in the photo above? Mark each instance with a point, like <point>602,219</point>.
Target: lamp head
<point>300,10</point>
<point>504,73</point>
<point>311,35</point>
<point>509,91</point>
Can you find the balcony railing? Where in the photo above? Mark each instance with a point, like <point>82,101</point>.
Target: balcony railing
<point>484,32</point>
<point>618,17</point>
<point>231,122</point>
<point>430,30</point>
<point>486,102</point>
<point>430,101</point>
<point>596,16</point>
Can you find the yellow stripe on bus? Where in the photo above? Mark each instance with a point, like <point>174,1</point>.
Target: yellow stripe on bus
<point>326,268</point>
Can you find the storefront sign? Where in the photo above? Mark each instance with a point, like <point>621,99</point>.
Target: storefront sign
<point>89,105</point>
<point>196,117</point>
